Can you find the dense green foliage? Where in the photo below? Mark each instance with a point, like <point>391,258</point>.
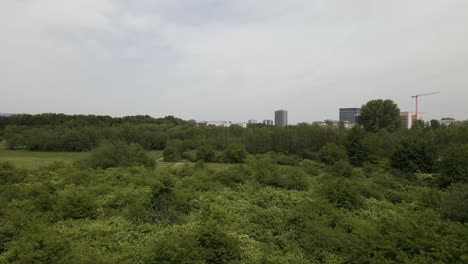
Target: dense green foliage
<point>332,153</point>
<point>235,153</point>
<point>118,154</point>
<point>380,114</point>
<point>358,151</point>
<point>414,156</point>
<point>453,164</point>
<point>257,212</point>
<point>295,194</point>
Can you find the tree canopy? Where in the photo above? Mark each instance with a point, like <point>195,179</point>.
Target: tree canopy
<point>380,114</point>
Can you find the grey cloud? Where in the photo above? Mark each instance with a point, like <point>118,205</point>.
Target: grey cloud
<point>215,59</point>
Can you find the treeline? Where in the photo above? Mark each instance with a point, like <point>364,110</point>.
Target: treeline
<point>83,133</point>
<point>81,120</point>
<point>59,132</point>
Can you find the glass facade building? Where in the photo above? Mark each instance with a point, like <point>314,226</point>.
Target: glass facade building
<point>349,115</point>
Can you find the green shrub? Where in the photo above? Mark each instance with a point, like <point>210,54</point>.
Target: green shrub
<point>170,154</point>
<point>39,243</point>
<point>190,155</point>
<point>453,165</point>
<point>76,203</point>
<point>208,243</point>
<point>332,153</point>
<point>341,168</point>
<point>283,159</point>
<point>233,176</point>
<point>118,154</point>
<point>341,193</point>
<point>454,204</point>
<point>294,179</point>
<point>413,155</point>
<point>235,153</point>
<point>205,153</point>
<point>162,199</point>
<point>310,167</point>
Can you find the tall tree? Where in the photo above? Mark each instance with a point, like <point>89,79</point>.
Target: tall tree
<point>380,114</point>
<point>355,144</point>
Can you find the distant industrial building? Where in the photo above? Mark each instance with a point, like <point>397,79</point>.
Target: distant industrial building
<point>281,118</point>
<point>268,122</point>
<point>252,121</point>
<point>447,121</point>
<point>349,115</point>
<point>409,118</point>
<point>336,123</point>
<point>219,123</point>
<point>241,124</point>
<point>222,123</point>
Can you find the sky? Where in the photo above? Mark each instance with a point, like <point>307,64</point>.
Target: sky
<point>232,59</point>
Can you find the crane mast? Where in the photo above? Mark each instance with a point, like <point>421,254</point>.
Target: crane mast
<point>417,101</point>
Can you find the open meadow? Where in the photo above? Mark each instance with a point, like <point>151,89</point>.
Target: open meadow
<point>36,159</point>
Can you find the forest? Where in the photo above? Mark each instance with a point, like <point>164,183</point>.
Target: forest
<point>376,193</point>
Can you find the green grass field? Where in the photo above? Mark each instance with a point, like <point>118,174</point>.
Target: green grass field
<point>35,159</point>
<point>31,159</point>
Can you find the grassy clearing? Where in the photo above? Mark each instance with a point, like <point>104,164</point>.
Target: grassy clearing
<point>34,159</point>
<point>155,154</point>
<point>31,159</point>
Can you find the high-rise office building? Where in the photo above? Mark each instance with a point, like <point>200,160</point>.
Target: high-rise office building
<point>281,118</point>
<point>349,115</point>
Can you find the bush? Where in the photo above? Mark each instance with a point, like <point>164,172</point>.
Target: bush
<point>76,203</point>
<point>190,155</point>
<point>208,243</point>
<point>205,153</point>
<point>310,167</point>
<point>39,243</point>
<point>332,153</point>
<point>454,204</point>
<point>294,179</point>
<point>118,154</point>
<point>413,156</point>
<point>267,173</point>
<point>283,159</point>
<point>453,165</point>
<point>235,153</point>
<point>170,154</point>
<point>162,198</point>
<point>341,168</point>
<point>233,175</point>
<point>342,193</point>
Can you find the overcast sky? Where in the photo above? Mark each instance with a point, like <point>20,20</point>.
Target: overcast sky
<point>232,59</point>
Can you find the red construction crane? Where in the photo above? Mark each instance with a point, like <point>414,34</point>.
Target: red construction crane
<point>416,97</point>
